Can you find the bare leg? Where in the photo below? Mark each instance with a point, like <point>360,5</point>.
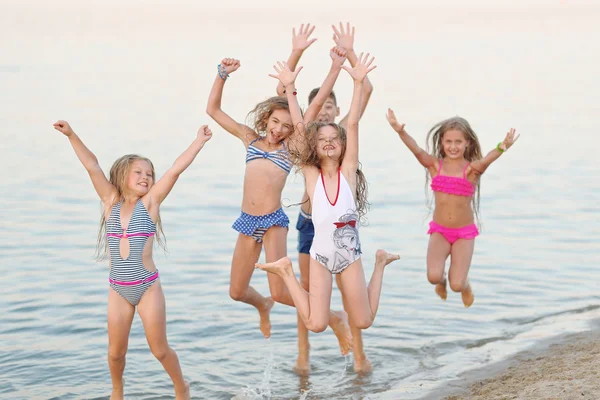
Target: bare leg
<point>437,253</point>
<point>302,366</point>
<point>313,306</point>
<point>363,301</point>
<point>152,311</point>
<point>120,316</point>
<point>362,365</point>
<point>275,244</point>
<point>462,254</point>
<point>246,254</point>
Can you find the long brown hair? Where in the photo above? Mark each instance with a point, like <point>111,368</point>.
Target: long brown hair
<point>308,156</point>
<point>472,152</point>
<point>118,178</point>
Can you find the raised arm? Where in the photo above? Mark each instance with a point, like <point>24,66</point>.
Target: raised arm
<point>300,43</point>
<point>104,188</point>
<point>163,186</point>
<point>213,108</point>
<point>479,166</point>
<point>287,79</point>
<point>345,38</point>
<point>426,160</point>
<point>358,73</point>
<point>338,56</point>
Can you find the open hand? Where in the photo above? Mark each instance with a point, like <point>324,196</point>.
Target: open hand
<point>302,41</point>
<point>362,67</point>
<point>63,127</point>
<point>204,134</point>
<point>230,65</point>
<point>338,55</point>
<point>391,117</point>
<point>285,76</point>
<point>509,140</point>
<point>344,37</point>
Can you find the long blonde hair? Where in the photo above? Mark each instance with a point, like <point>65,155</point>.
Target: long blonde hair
<point>472,152</point>
<point>118,178</point>
<point>309,156</point>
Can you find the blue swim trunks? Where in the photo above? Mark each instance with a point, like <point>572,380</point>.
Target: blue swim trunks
<point>306,232</point>
<point>256,225</point>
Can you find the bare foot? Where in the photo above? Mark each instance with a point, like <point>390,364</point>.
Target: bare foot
<point>302,366</point>
<point>265,317</point>
<point>338,321</point>
<point>117,394</point>
<point>383,258</point>
<point>362,365</point>
<point>441,289</point>
<point>281,267</point>
<point>467,296</point>
<point>185,395</point>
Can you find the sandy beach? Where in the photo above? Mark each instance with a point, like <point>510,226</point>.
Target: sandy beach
<point>563,368</point>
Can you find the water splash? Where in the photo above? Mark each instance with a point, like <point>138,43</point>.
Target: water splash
<point>263,391</point>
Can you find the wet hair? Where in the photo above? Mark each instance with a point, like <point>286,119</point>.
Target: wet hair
<point>472,152</point>
<point>313,94</point>
<point>309,156</point>
<point>119,173</point>
<point>259,116</point>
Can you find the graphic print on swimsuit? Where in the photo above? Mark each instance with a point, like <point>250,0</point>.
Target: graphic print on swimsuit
<point>346,240</point>
<point>336,243</point>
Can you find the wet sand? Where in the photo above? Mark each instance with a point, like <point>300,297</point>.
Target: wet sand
<point>563,368</point>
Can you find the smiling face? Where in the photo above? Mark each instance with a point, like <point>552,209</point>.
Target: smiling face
<point>328,112</point>
<point>279,126</point>
<point>140,177</point>
<point>454,144</point>
<point>329,143</point>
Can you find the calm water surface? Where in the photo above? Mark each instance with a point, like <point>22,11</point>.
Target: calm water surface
<point>136,79</point>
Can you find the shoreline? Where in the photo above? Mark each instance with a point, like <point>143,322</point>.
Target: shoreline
<point>562,367</point>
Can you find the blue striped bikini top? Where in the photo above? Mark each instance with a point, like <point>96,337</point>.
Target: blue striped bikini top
<point>280,157</point>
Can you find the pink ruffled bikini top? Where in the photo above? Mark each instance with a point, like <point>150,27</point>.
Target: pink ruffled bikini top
<point>452,184</point>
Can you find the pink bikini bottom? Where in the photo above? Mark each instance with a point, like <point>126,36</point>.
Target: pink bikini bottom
<point>453,234</point>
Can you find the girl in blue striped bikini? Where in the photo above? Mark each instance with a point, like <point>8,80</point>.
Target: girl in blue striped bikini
<point>262,220</point>
<point>130,222</point>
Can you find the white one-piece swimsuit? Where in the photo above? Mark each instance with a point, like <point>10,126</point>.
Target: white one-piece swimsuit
<point>336,244</point>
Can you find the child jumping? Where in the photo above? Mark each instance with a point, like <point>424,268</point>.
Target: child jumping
<point>328,158</point>
<point>455,166</point>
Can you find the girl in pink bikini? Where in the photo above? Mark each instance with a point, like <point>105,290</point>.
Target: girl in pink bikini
<point>455,165</point>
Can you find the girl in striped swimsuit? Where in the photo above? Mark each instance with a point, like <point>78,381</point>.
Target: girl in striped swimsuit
<point>130,222</point>
<point>455,165</point>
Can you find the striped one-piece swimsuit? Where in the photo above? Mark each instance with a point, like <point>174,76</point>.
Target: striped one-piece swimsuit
<point>128,277</point>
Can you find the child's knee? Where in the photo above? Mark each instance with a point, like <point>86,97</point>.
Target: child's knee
<point>237,293</point>
<point>116,354</point>
<point>435,276</point>
<point>160,352</point>
<point>278,293</point>
<point>317,326</point>
<point>458,285</point>
<point>363,322</point>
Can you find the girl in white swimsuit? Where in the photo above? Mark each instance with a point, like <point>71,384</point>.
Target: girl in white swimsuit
<point>328,158</point>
